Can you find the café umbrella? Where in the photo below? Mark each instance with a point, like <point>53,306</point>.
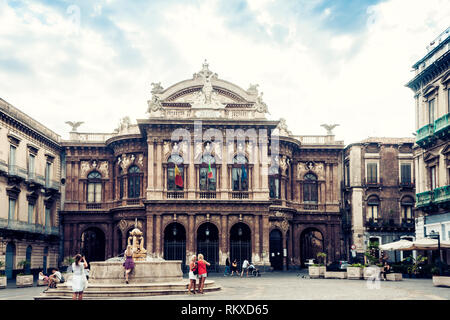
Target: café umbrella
<point>397,245</point>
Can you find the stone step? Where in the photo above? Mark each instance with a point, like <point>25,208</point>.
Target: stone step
<point>67,294</point>
<point>132,287</point>
<point>124,290</point>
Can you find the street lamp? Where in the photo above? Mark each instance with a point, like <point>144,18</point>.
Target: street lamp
<point>435,235</point>
<point>174,230</point>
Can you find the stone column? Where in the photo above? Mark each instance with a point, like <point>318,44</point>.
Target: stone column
<point>264,171</point>
<point>290,245</point>
<point>224,183</point>
<point>159,173</point>
<point>150,169</point>
<point>284,250</point>
<point>257,250</point>
<point>223,249</point>
<point>149,234</point>
<point>191,173</point>
<point>190,245</point>
<point>110,244</point>
<point>265,239</point>
<point>158,233</point>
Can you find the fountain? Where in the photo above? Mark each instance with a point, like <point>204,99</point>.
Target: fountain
<point>150,276</point>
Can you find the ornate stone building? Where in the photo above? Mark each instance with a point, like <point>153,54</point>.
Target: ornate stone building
<point>208,173</point>
<point>431,87</point>
<point>29,192</point>
<point>379,192</point>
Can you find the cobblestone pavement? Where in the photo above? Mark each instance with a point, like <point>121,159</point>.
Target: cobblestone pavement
<point>287,286</point>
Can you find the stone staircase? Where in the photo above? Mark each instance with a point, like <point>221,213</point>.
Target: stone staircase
<point>121,291</point>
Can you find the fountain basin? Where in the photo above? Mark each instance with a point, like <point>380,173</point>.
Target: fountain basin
<point>112,272</point>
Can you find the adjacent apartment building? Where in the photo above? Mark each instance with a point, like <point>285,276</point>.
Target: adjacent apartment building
<point>30,163</point>
<point>431,87</point>
<point>378,193</point>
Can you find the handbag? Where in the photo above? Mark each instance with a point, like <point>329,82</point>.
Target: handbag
<point>195,269</point>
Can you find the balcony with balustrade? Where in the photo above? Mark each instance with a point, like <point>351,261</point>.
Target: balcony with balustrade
<point>425,136</point>
<point>442,126</point>
<point>16,225</point>
<point>424,199</point>
<point>442,196</point>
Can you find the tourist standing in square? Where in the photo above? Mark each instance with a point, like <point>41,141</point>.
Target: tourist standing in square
<point>129,262</point>
<point>79,281</point>
<point>202,274</point>
<point>244,267</point>
<point>193,270</point>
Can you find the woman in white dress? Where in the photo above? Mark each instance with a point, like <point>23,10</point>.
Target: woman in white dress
<point>79,277</point>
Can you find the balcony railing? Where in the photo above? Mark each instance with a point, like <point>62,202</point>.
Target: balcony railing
<point>207,195</point>
<point>27,227</point>
<point>425,135</point>
<point>239,195</point>
<point>93,206</point>
<point>441,194</point>
<point>52,184</point>
<point>442,125</point>
<point>424,199</point>
<point>133,202</point>
<point>175,194</point>
<point>373,182</point>
<point>16,171</point>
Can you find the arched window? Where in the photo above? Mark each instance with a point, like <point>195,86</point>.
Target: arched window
<point>175,173</point>
<point>274,181</point>
<point>407,205</point>
<point>208,177</point>
<point>373,204</point>
<point>94,190</point>
<point>134,182</point>
<point>239,173</point>
<point>310,188</point>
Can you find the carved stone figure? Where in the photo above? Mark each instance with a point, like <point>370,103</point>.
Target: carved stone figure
<point>253,89</point>
<point>329,128</point>
<point>156,87</point>
<point>260,105</point>
<point>154,104</point>
<point>84,168</point>
<point>283,128</point>
<point>74,125</point>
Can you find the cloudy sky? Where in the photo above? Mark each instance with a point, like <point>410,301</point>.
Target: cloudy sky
<point>317,61</point>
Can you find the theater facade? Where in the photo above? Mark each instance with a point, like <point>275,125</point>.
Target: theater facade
<point>206,172</point>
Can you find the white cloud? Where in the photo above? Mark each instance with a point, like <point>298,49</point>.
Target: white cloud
<point>308,75</point>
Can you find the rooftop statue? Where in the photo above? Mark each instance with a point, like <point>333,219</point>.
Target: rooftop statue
<point>74,125</point>
<point>329,128</point>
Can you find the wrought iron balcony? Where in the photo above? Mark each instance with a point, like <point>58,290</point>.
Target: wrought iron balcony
<point>441,195</point>
<point>373,222</point>
<point>17,225</point>
<point>425,135</point>
<point>442,126</point>
<point>373,182</point>
<point>175,194</point>
<point>424,199</point>
<point>240,195</point>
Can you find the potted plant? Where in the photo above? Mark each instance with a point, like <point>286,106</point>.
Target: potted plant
<point>355,271</point>
<point>24,278</point>
<point>414,269</point>
<point>318,270</point>
<point>3,279</point>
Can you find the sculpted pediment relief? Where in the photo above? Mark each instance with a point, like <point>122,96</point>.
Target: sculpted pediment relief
<point>318,168</point>
<point>429,157</point>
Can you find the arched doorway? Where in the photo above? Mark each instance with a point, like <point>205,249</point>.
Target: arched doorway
<point>28,259</point>
<point>175,243</point>
<point>240,243</point>
<point>311,243</point>
<point>276,249</point>
<point>93,244</point>
<point>208,244</point>
<point>10,257</point>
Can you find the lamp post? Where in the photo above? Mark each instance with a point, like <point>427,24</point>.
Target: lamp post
<point>435,235</point>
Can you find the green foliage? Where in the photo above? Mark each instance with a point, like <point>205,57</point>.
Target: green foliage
<point>357,265</point>
<point>2,272</point>
<point>68,261</point>
<point>23,264</point>
<point>321,256</point>
<point>371,252</point>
